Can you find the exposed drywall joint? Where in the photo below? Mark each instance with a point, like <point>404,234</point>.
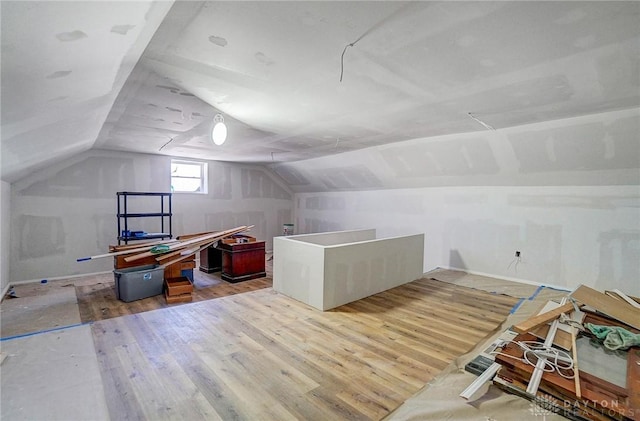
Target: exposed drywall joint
<point>485,125</point>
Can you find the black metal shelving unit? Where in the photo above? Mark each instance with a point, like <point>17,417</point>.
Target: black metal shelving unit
<point>123,216</point>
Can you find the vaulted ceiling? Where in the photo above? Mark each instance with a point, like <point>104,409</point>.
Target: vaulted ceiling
<point>299,79</point>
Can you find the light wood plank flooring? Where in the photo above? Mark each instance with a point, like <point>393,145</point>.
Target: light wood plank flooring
<point>263,356</point>
<point>97,300</point>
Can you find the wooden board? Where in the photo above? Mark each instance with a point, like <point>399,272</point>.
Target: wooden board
<point>633,380</point>
<point>181,298</point>
<point>563,336</point>
<point>182,251</point>
<point>175,270</point>
<point>541,319</point>
<point>196,240</point>
<point>598,394</point>
<point>178,286</point>
<point>619,295</point>
<point>198,234</point>
<point>188,264</point>
<point>608,305</point>
<point>120,263</point>
<point>561,339</point>
<point>138,244</point>
<point>545,402</point>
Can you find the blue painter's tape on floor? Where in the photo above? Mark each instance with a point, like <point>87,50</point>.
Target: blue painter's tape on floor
<point>534,295</point>
<point>24,335</point>
<point>516,306</point>
<point>536,292</point>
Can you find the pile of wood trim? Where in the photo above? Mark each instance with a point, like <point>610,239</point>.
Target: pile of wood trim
<point>174,256</point>
<point>184,248</point>
<point>586,396</point>
<point>181,248</point>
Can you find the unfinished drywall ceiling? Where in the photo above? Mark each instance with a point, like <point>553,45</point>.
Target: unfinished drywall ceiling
<point>409,70</point>
<point>592,150</point>
<point>417,70</point>
<point>63,64</point>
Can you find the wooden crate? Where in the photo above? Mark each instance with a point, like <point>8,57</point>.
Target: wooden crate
<point>182,298</point>
<point>178,286</point>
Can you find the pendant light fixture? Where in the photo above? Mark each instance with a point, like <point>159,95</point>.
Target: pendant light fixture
<point>219,132</point>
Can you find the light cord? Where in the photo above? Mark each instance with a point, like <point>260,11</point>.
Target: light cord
<point>555,359</point>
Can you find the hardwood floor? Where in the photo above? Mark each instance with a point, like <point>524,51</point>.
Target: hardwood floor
<point>261,355</point>
<point>97,301</point>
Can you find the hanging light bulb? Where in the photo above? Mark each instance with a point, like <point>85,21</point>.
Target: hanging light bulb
<point>219,132</point>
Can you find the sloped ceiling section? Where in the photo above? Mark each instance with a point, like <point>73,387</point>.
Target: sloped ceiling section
<point>415,70</point>
<point>299,80</point>
<point>595,150</point>
<point>63,64</point>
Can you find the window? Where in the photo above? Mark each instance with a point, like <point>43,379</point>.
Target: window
<point>188,177</point>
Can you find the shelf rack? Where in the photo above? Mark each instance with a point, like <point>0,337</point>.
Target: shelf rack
<point>123,216</point>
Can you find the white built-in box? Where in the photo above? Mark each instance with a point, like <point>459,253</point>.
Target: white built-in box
<point>327,270</point>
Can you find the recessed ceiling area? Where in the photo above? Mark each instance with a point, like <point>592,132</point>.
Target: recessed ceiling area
<point>298,80</point>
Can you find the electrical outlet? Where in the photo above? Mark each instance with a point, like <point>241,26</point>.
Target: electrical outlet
<point>517,253</point>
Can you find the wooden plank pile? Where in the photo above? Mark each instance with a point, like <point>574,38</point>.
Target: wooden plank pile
<point>561,384</point>
<point>174,256</point>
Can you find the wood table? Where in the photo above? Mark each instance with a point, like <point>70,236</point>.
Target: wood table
<point>243,261</point>
<point>210,260</point>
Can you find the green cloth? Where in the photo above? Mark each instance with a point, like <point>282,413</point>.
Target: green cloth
<point>162,248</point>
<point>614,337</point>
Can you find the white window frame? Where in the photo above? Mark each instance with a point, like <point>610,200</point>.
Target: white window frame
<point>203,176</point>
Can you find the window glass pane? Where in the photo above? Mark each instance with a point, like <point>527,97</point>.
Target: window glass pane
<point>188,176</point>
<point>185,170</point>
<point>185,184</point>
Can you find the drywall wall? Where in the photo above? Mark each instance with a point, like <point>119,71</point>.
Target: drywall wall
<point>5,233</point>
<point>566,235</point>
<point>68,210</point>
<point>325,273</point>
<point>566,193</point>
<point>358,270</point>
<point>301,261</point>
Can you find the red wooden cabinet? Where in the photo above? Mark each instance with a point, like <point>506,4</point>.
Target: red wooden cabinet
<point>243,261</point>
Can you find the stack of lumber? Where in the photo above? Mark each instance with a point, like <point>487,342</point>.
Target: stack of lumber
<point>184,248</point>
<point>174,255</point>
<point>576,393</point>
